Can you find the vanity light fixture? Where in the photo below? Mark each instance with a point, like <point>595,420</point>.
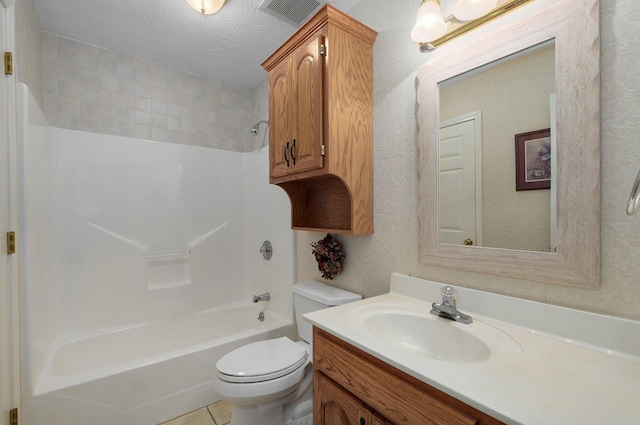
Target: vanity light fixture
<point>467,10</point>
<point>429,23</point>
<point>431,30</point>
<point>206,7</point>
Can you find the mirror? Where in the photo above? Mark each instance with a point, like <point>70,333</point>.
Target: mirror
<point>571,254</point>
<point>482,199</point>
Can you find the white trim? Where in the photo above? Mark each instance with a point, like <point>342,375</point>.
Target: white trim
<point>9,283</point>
<point>553,237</point>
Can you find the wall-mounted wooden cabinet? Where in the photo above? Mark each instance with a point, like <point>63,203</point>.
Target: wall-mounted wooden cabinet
<point>353,387</point>
<point>321,123</point>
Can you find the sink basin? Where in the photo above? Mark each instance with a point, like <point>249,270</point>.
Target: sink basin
<point>412,329</point>
<point>429,337</point>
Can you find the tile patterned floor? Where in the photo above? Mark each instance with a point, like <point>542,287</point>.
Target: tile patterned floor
<point>215,414</point>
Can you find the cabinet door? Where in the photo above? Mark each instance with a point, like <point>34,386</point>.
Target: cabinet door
<point>281,119</point>
<point>334,406</point>
<point>308,80</point>
<point>379,420</point>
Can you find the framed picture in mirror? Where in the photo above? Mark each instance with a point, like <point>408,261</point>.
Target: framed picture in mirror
<point>533,160</point>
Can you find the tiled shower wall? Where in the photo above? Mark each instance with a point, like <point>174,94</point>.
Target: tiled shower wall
<point>92,89</point>
<point>28,47</point>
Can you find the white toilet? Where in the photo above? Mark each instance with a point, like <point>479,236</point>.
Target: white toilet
<point>269,382</point>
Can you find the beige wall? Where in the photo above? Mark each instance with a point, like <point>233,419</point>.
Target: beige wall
<point>394,245</point>
<point>98,90</point>
<point>513,98</point>
<point>28,54</point>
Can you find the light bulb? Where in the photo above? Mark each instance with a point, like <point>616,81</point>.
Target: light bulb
<point>206,7</point>
<point>468,10</point>
<point>429,23</point>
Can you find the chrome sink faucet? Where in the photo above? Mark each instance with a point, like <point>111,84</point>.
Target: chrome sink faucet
<point>448,307</point>
<point>261,297</point>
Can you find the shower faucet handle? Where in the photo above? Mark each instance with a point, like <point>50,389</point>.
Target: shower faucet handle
<point>266,250</point>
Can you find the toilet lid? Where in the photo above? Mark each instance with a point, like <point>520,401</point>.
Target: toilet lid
<point>262,361</point>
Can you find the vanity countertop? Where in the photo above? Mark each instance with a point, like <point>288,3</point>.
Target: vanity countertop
<point>562,366</point>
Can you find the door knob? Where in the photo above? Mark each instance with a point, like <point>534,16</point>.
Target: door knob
<point>468,241</point>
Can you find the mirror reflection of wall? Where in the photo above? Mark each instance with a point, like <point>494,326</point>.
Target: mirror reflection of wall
<point>510,97</point>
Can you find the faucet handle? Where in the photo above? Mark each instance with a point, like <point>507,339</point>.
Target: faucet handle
<point>448,291</point>
<point>448,296</point>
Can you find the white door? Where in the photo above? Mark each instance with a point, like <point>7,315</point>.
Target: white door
<point>460,181</point>
<point>9,334</point>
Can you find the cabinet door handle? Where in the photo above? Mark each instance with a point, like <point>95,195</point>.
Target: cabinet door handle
<point>293,151</point>
<point>286,150</point>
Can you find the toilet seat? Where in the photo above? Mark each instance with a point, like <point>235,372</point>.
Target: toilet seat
<point>262,361</point>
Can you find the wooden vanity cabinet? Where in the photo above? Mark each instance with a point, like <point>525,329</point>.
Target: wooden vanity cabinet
<point>321,123</point>
<point>353,387</point>
<point>338,407</point>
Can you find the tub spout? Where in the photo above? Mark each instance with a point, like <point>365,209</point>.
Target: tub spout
<point>261,297</point>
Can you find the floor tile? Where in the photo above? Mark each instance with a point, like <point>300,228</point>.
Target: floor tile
<point>221,412</point>
<point>197,417</point>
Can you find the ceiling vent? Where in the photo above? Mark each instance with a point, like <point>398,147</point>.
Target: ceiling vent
<point>294,12</point>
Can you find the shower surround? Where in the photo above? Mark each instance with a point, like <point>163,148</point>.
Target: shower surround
<point>138,263</point>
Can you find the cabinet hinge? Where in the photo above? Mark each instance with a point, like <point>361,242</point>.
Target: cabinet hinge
<point>13,416</point>
<point>322,150</point>
<point>8,63</point>
<point>11,242</point>
<point>323,50</point>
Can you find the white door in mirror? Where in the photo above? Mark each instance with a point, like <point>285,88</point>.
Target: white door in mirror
<point>457,182</point>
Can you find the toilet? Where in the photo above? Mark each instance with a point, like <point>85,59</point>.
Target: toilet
<point>270,382</point>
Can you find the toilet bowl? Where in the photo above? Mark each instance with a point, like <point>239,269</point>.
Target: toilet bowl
<point>269,382</point>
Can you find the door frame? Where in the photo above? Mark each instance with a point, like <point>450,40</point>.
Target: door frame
<point>9,272</point>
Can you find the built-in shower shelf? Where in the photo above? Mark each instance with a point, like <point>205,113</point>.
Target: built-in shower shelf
<point>169,285</point>
<point>170,256</point>
<point>169,269</point>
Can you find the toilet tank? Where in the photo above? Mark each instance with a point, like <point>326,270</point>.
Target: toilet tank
<point>313,295</point>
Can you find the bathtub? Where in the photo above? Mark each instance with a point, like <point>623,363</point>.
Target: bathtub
<point>158,371</point>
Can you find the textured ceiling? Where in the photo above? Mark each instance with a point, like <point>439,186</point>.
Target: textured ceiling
<point>228,46</point>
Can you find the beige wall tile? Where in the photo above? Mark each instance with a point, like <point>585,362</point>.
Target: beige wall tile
<point>150,101</point>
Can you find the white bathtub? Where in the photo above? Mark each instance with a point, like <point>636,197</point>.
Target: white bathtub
<point>143,374</point>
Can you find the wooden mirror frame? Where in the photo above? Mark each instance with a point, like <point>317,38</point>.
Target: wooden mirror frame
<point>574,24</point>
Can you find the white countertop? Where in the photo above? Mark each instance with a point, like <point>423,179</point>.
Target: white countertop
<point>568,367</point>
